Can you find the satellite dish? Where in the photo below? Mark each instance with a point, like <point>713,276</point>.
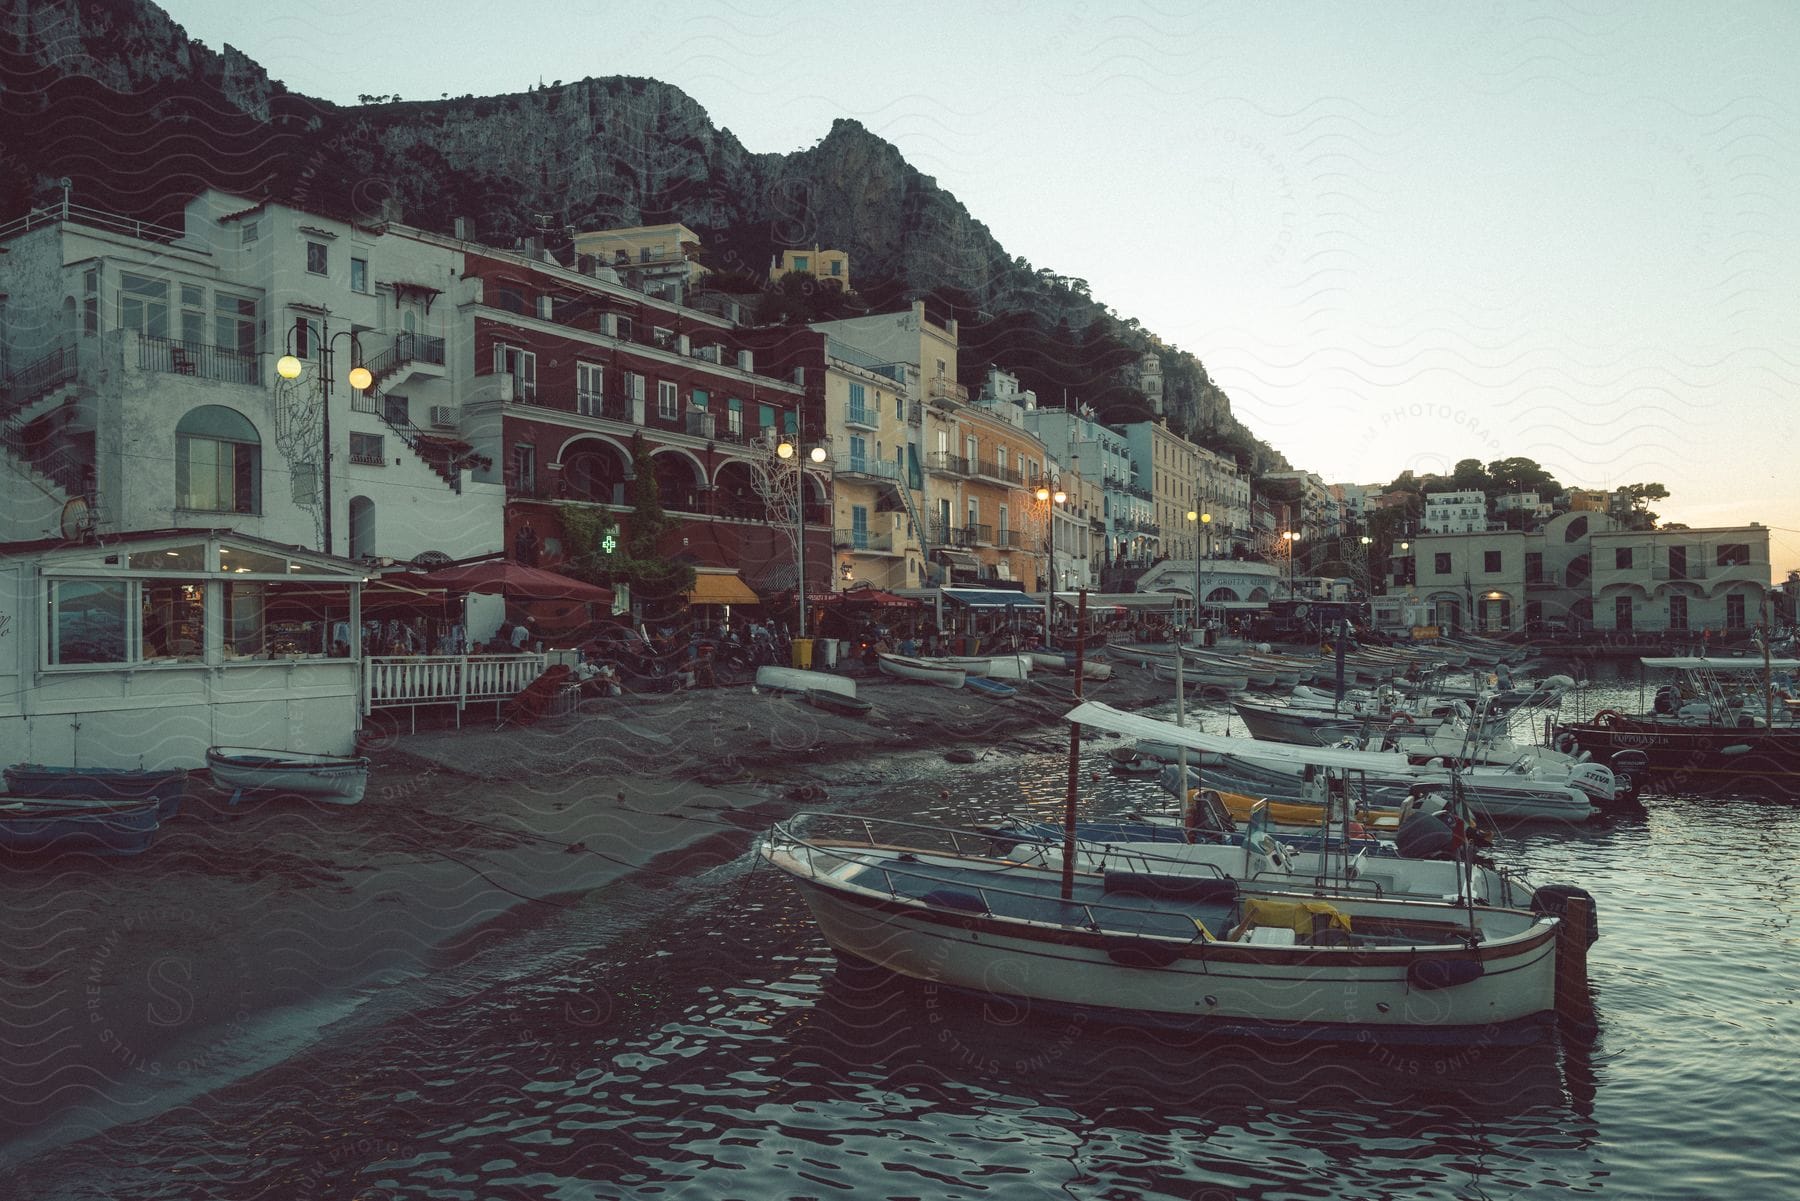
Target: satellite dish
<point>77,518</point>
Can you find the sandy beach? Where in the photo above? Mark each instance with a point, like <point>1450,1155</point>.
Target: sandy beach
<point>132,983</point>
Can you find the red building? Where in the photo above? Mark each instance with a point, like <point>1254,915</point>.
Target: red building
<point>570,367</point>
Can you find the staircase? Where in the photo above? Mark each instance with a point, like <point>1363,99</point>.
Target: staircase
<point>912,515</point>
<point>446,457</point>
<point>34,415</point>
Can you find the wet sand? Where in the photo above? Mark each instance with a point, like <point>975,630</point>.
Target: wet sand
<point>130,983</point>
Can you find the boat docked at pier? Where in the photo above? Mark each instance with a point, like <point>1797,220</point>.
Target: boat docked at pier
<point>1167,948</point>
<point>1717,722</point>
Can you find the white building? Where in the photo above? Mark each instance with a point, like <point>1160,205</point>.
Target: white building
<point>1454,513</point>
<point>142,391</point>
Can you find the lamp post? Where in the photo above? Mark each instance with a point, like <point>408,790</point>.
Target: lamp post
<point>1050,500</point>
<point>290,367</point>
<point>786,452</point>
<point>1205,522</point>
<point>1293,543</point>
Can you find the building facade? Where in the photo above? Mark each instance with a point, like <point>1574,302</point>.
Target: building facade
<point>1169,466</point>
<point>1454,513</point>
<point>820,264</point>
<point>658,260</point>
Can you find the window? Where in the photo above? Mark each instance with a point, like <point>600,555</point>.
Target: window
<point>315,258</point>
<point>662,337</point>
<point>1734,611</point>
<point>524,468</point>
<point>668,403</point>
<point>90,301</point>
<point>1734,554</point>
<point>521,365</point>
<point>859,527</point>
<point>218,459</point>
<point>306,337</point>
<point>859,451</point>
<point>634,386</point>
<point>249,233</point>
<point>802,263</point>
<point>514,299</point>
<point>366,449</point>
<point>765,417</point>
<point>359,275</point>
<point>87,621</point>
<point>1440,563</point>
<point>1490,561</point>
<point>1622,558</point>
<point>1678,612</point>
<point>697,398</point>
<point>173,620</point>
<point>1678,562</point>
<point>734,416</point>
<point>590,380</point>
<point>234,323</point>
<point>837,266</point>
<point>625,328</point>
<point>1534,566</point>
<point>304,479</point>
<point>144,305</point>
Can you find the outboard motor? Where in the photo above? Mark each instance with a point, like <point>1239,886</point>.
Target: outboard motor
<point>1425,836</point>
<point>1553,899</point>
<point>1668,700</point>
<point>1629,769</point>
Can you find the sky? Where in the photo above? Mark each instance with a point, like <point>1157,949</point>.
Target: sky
<point>1397,234</point>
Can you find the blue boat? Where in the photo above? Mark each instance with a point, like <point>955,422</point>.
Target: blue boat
<point>54,825</point>
<point>989,688</point>
<point>100,784</point>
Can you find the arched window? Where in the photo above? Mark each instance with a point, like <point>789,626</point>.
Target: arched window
<point>362,527</point>
<point>218,462</point>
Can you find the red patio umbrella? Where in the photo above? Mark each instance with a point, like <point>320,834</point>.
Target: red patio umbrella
<point>500,576</point>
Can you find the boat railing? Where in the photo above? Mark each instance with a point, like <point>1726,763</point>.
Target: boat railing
<point>983,892</point>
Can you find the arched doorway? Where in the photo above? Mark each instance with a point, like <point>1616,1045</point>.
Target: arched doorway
<point>362,527</point>
<point>735,492</point>
<point>593,470</point>
<point>1219,595</point>
<point>679,480</point>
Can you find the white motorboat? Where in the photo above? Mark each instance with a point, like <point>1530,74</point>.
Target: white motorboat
<point>1200,675</point>
<point>795,679</point>
<point>333,779</point>
<point>923,671</point>
<point>1181,948</point>
<point>993,667</point>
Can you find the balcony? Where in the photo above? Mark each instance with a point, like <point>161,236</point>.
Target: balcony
<point>864,540</point>
<point>199,360</point>
<point>973,535</point>
<point>699,424</point>
<point>880,469</point>
<point>945,463</point>
<point>946,389</point>
<point>862,417</point>
<point>1010,539</point>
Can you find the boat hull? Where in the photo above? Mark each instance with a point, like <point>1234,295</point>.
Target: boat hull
<point>1299,990</point>
<point>165,788</point>
<point>51,825</point>
<point>922,672</point>
<point>794,679</point>
<point>332,781</point>
<point>1720,753</point>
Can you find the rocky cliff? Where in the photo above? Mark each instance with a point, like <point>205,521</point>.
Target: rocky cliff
<point>113,95</point>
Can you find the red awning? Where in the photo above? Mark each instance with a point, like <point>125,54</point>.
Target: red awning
<point>517,581</point>
<point>871,598</point>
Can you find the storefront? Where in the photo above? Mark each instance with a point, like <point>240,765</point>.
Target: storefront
<point>145,649</point>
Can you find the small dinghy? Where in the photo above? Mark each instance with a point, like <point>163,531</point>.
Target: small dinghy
<point>165,788</point>
<point>333,779</point>
<point>833,702</point>
<point>50,825</point>
<point>992,689</point>
<point>924,671</point>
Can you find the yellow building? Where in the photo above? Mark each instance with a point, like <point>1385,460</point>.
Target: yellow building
<point>658,260</point>
<point>823,264</point>
<point>876,539</point>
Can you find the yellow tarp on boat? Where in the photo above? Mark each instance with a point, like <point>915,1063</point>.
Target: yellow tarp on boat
<point>1307,919</point>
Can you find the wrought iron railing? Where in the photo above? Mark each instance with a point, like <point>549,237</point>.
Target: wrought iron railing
<point>861,415</point>
<point>199,360</point>
<point>49,370</point>
<point>862,539</point>
<point>946,462</point>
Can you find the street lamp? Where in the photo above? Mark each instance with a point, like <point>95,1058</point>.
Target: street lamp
<point>290,367</point>
<point>786,452</point>
<point>1050,500</point>
<point>1293,543</point>
<point>1205,521</point>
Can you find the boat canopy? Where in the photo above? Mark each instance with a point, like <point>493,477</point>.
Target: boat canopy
<point>1695,663</point>
<point>1383,763</point>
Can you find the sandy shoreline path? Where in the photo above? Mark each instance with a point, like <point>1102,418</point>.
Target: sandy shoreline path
<point>131,985</point>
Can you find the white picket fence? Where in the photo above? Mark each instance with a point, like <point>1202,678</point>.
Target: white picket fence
<point>408,681</point>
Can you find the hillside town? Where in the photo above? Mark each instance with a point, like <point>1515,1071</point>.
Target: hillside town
<point>358,403</point>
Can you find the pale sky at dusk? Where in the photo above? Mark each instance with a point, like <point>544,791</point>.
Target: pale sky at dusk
<point>1397,234</point>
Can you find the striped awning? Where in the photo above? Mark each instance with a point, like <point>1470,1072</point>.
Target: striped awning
<point>720,588</point>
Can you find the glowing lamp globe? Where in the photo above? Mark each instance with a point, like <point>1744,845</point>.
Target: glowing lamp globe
<point>287,367</point>
<point>785,450</point>
<point>1043,494</point>
<point>818,454</point>
<point>359,378</point>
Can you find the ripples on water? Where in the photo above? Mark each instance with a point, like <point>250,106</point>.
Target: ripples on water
<point>701,1043</point>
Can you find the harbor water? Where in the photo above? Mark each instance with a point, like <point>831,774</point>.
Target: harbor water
<point>691,1037</point>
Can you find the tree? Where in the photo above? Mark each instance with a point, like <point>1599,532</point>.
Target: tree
<point>656,582</point>
<point>1519,474</point>
<point>1640,517</point>
<point>1470,476</point>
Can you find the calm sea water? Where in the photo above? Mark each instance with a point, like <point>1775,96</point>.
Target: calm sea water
<point>691,1038</point>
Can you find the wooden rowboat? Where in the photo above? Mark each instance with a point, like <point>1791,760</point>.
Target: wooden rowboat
<point>923,671</point>
<point>49,825</point>
<point>795,679</point>
<point>835,702</point>
<point>333,779</point>
<point>164,788</point>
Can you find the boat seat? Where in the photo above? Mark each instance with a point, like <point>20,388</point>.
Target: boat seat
<point>1270,936</point>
